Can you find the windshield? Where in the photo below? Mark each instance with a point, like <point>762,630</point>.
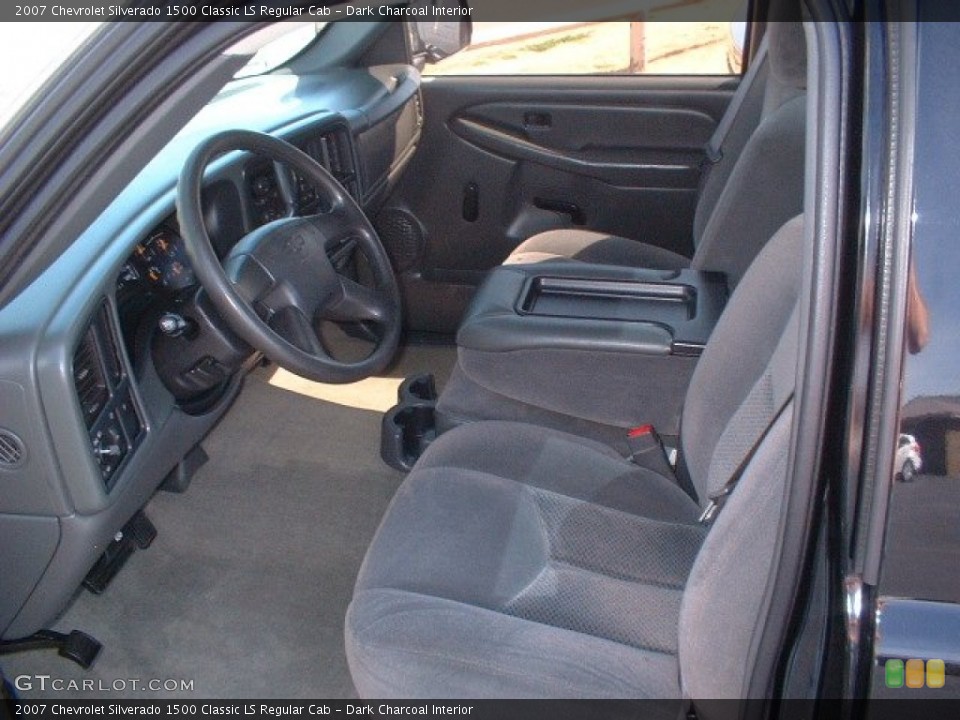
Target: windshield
<point>281,49</point>
<point>29,53</point>
<point>32,51</point>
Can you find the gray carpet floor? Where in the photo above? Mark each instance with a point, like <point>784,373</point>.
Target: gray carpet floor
<point>245,589</point>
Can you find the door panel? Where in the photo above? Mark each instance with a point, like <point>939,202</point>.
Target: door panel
<point>619,163</point>
<point>503,158</point>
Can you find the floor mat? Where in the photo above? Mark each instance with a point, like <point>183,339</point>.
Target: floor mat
<point>244,591</point>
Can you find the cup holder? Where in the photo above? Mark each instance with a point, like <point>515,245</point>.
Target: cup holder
<point>409,427</point>
<point>406,431</point>
<point>417,389</point>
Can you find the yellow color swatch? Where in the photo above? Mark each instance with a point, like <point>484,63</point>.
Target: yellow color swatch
<point>936,673</point>
<point>914,673</point>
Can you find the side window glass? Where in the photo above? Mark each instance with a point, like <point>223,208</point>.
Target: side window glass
<point>599,48</point>
<point>922,543</point>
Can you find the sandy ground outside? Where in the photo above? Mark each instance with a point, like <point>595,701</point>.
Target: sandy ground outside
<point>670,48</point>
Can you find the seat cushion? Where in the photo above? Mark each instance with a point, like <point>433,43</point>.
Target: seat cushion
<point>516,561</point>
<point>556,461</point>
<point>594,247</point>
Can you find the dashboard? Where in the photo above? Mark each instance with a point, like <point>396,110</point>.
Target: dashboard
<point>104,405</point>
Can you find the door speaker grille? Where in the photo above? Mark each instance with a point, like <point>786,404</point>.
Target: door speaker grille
<point>12,450</point>
<point>402,237</point>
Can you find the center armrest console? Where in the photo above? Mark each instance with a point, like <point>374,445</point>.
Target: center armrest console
<point>609,345</point>
<point>597,307</point>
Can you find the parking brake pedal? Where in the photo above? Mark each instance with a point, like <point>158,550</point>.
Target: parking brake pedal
<point>75,645</point>
<point>139,532</point>
<point>178,479</point>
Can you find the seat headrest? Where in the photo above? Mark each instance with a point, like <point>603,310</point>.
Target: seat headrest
<point>788,54</point>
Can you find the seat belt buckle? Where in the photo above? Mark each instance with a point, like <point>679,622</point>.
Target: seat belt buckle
<point>647,450</point>
<point>643,439</point>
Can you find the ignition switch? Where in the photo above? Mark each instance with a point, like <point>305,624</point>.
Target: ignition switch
<point>173,325</point>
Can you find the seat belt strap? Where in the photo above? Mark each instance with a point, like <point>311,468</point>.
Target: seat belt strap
<point>719,498</point>
<point>714,149</point>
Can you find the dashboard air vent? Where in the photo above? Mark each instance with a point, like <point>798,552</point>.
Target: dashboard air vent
<point>265,193</point>
<point>88,378</point>
<point>333,149</point>
<point>111,357</point>
<point>12,450</point>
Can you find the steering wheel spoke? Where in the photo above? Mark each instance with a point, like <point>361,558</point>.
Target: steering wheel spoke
<point>252,282</point>
<point>358,303</point>
<point>293,325</point>
<point>334,224</point>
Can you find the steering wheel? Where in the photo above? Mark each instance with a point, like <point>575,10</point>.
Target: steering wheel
<point>278,282</point>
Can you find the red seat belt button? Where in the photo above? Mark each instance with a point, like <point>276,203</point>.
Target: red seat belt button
<point>640,431</point>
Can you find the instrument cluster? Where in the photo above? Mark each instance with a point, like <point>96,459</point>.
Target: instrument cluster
<point>159,262</point>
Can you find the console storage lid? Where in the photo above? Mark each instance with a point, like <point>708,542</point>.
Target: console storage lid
<point>603,308</point>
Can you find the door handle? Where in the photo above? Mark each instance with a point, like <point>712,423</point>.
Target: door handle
<point>470,208</point>
<point>562,206</point>
<point>537,121</point>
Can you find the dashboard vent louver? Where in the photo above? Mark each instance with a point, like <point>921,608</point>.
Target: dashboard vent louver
<point>331,153</point>
<point>112,351</point>
<point>12,450</point>
<point>88,379</point>
<point>334,151</point>
<point>265,194</point>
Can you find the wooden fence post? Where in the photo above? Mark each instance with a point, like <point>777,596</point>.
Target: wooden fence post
<point>638,51</point>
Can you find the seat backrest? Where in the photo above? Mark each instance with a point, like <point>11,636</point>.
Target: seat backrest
<point>757,184</point>
<point>744,378</point>
<point>746,371</point>
<point>731,136</point>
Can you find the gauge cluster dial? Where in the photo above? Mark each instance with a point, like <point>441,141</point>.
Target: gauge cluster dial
<point>160,262</point>
<point>156,277</point>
